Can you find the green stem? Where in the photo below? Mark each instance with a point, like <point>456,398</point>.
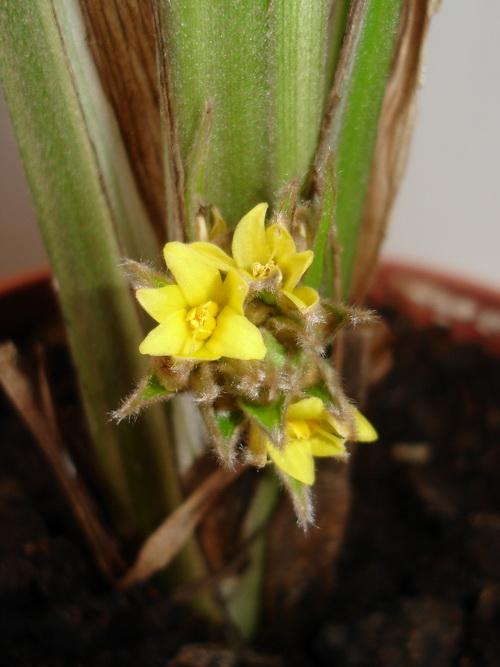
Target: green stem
<point>216,50</point>
<point>297,56</point>
<point>244,595</point>
<point>85,196</point>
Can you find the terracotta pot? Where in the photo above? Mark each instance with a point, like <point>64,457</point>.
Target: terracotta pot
<point>469,311</point>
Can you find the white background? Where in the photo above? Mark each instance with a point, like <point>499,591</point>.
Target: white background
<point>448,210</point>
<point>447,213</point>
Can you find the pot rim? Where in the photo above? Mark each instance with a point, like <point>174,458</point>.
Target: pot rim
<point>429,296</point>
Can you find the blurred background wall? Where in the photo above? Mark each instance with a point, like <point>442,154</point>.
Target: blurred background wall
<point>447,215</point>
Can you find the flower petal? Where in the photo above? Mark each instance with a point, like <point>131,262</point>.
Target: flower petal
<point>201,353</point>
<point>236,337</point>
<point>168,338</point>
<point>307,295</point>
<point>364,430</point>
<point>280,241</point>
<point>302,297</point>
<point>340,426</point>
<point>235,291</point>
<point>295,459</point>
<point>249,240</point>
<point>306,408</point>
<point>322,446</point>
<point>196,275</point>
<point>219,225</point>
<point>215,254</point>
<point>293,267</point>
<point>162,301</point>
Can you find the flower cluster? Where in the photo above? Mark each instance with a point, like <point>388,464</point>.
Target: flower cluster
<point>310,430</point>
<point>250,342</point>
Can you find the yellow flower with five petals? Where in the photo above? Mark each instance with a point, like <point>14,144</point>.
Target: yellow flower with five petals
<point>200,317</point>
<point>259,252</point>
<point>310,430</point>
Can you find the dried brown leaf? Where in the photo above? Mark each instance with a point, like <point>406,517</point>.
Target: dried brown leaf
<point>121,38</point>
<point>174,172</point>
<point>164,544</point>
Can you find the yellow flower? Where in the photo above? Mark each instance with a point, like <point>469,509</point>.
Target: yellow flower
<point>201,317</point>
<point>258,253</point>
<point>309,431</point>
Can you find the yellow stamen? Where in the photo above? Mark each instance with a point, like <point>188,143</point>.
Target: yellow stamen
<point>299,429</point>
<point>303,429</point>
<point>263,270</point>
<point>202,320</point>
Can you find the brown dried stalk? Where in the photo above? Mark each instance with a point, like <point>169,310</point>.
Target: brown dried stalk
<point>121,38</point>
<point>166,542</point>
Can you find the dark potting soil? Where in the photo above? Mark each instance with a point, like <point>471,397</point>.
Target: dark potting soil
<point>418,580</point>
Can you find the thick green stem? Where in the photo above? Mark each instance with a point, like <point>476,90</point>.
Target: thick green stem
<point>216,50</point>
<point>297,55</point>
<point>263,68</point>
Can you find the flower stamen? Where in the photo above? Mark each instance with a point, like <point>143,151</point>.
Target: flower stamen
<point>263,270</point>
<point>202,320</point>
<point>299,429</point>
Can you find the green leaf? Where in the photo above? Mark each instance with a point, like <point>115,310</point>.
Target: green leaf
<point>90,215</point>
<point>228,423</point>
<point>338,22</point>
<point>268,417</point>
<point>148,392</point>
<point>224,427</point>
<point>322,392</point>
<point>277,354</point>
<point>287,204</point>
<point>153,389</point>
<point>132,227</point>
<point>355,104</point>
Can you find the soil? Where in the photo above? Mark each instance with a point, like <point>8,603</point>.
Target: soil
<point>418,581</point>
